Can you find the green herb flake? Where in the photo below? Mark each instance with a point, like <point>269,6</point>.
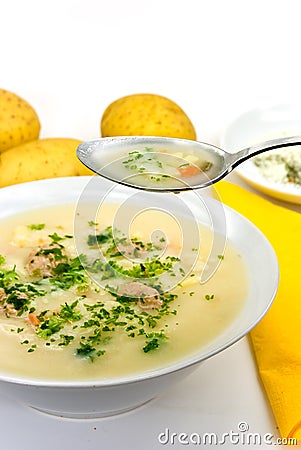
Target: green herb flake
<point>154,341</point>
<point>37,227</point>
<point>65,339</point>
<point>69,312</point>
<point>56,238</point>
<point>86,350</point>
<point>50,326</point>
<point>8,276</point>
<point>69,273</point>
<point>101,238</point>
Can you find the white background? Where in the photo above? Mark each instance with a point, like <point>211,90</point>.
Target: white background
<point>71,58</point>
<point>216,59</point>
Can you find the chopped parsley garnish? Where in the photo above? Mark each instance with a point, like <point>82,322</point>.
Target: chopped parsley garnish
<point>8,276</point>
<point>65,339</point>
<point>56,238</point>
<point>20,296</point>
<point>89,328</point>
<point>86,349</point>
<point>69,312</point>
<point>101,238</point>
<point>38,226</point>
<point>56,322</point>
<point>69,273</point>
<point>50,326</point>
<point>154,340</point>
<point>32,348</point>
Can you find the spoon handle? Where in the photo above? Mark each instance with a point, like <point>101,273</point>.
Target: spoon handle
<point>264,147</point>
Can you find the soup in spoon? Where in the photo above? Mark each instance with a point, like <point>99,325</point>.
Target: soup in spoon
<point>154,164</point>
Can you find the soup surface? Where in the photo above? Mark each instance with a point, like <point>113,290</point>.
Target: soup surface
<point>104,305</point>
<point>156,166</point>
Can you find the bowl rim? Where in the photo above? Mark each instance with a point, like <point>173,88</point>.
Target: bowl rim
<point>175,366</point>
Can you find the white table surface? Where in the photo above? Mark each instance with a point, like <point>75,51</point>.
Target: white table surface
<point>216,59</point>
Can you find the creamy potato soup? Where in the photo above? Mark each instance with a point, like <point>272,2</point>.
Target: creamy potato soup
<point>105,313</point>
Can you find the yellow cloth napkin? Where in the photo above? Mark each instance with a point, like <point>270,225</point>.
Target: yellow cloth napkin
<point>277,338</point>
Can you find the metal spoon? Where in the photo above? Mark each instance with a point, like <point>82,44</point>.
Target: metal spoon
<point>117,160</point>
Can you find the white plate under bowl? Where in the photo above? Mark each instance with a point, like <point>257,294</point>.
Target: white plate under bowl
<point>259,125</point>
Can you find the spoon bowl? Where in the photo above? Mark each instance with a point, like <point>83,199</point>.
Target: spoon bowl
<point>166,164</point>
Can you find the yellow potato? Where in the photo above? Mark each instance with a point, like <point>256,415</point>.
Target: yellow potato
<point>42,158</point>
<point>19,122</point>
<point>146,115</point>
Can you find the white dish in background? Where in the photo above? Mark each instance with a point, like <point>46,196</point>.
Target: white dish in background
<point>259,125</point>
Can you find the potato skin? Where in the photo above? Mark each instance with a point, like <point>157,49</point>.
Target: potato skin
<point>19,123</point>
<point>146,115</point>
<point>39,159</point>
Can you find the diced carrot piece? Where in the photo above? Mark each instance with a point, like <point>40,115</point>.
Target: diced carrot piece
<point>188,171</point>
<point>33,319</point>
